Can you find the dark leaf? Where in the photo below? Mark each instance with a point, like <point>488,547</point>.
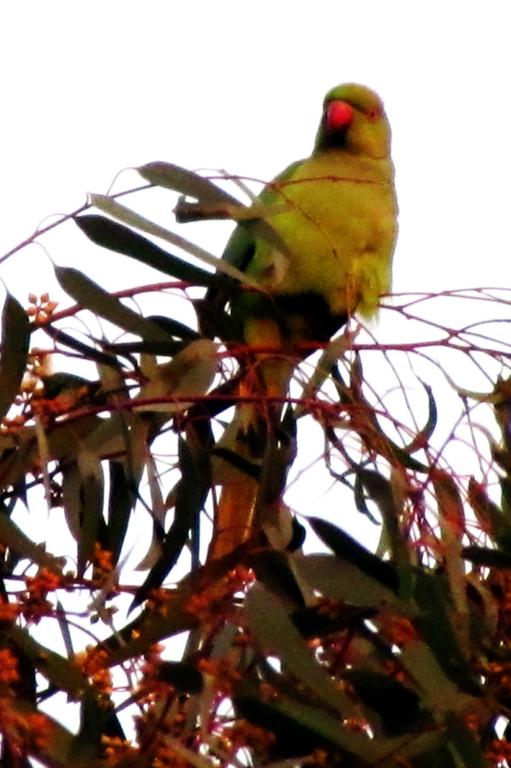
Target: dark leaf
<point>215,201</point>
<point>88,741</point>
<point>214,322</point>
<point>62,673</point>
<point>219,400</point>
<point>492,558</point>
<point>273,570</point>
<point>347,548</point>
<point>91,296</point>
<point>83,504</point>
<point>464,744</point>
<point>138,635</point>
<point>359,497</point>
<point>381,492</point>
<point>398,707</point>
<point>300,728</point>
<point>129,348</point>
<point>68,391</point>
<point>54,750</point>
<point>190,494</point>
<point>186,182</point>
<point>338,579</point>
<point>184,677</point>
<point>313,621</point>
<point>12,537</point>
<point>174,327</point>
<point>237,461</point>
<point>90,353</point>
<point>116,237</point>
<point>121,499</point>
<point>422,437</point>
<point>15,344</point>
<point>293,738</point>
<point>434,624</point>
<point>491,518</point>
<point>25,687</point>
<point>276,633</point>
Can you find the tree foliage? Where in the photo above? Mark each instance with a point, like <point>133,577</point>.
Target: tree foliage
<point>122,644</point>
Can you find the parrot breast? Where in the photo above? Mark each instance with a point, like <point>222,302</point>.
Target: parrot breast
<point>337,214</point>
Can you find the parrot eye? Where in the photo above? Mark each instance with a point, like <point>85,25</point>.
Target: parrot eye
<point>373,114</point>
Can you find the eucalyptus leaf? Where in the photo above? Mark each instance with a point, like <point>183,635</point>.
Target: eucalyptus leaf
<point>127,216</point>
<point>186,182</point>
<point>338,579</point>
<point>116,237</point>
<point>91,296</point>
<point>276,633</point>
<point>15,344</point>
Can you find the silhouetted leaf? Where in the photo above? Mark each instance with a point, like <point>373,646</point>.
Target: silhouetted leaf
<point>339,579</point>
<point>434,622</point>
<point>303,727</point>
<point>182,676</point>
<point>135,637</point>
<point>422,437</point>
<point>347,548</point>
<point>54,750</point>
<point>83,504</point>
<point>88,352</point>
<point>398,707</point>
<point>12,537</point>
<point>464,744</point>
<point>132,219</point>
<point>381,492</point>
<point>492,558</point>
<point>174,328</point>
<point>277,634</point>
<point>190,494</point>
<point>237,461</point>
<point>186,182</point>
<point>214,202</point>
<point>121,499</point>
<point>63,673</point>
<point>116,237</point>
<point>313,621</point>
<point>15,343</point>
<point>297,732</point>
<point>490,516</point>
<point>88,741</point>
<point>274,570</point>
<point>91,296</point>
<point>214,322</point>
<point>56,384</point>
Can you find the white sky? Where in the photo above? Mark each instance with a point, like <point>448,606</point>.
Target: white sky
<point>89,89</point>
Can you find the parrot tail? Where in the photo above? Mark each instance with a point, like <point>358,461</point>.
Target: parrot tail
<point>254,454</point>
<point>246,460</point>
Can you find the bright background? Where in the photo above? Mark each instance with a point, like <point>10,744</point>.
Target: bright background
<point>89,89</point>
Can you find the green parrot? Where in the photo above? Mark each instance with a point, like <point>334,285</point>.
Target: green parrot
<point>335,215</point>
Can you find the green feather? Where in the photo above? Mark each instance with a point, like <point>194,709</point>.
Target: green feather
<point>336,213</point>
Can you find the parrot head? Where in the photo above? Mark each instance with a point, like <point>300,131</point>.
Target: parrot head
<point>354,119</point>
